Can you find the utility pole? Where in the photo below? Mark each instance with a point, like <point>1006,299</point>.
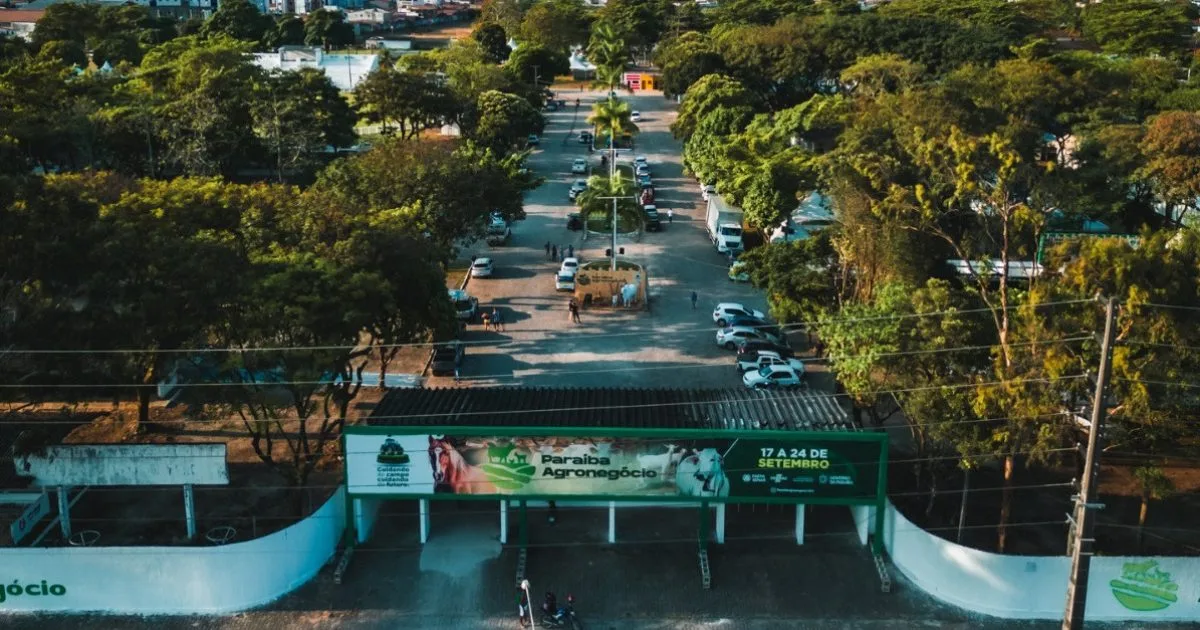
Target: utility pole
<point>1085,501</point>
<point>536,76</point>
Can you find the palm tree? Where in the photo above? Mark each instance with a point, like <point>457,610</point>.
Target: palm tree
<point>597,200</point>
<point>612,116</point>
<point>609,53</point>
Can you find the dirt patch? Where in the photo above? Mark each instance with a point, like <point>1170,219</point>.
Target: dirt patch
<point>1041,500</point>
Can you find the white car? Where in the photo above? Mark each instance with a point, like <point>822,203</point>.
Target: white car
<point>564,281</point>
<point>726,311</point>
<point>642,170</point>
<point>640,161</point>
<point>636,116</point>
<point>772,376</point>
<point>732,337</point>
<point>577,188</point>
<point>748,362</point>
<point>569,265</point>
<point>579,166</point>
<point>482,268</point>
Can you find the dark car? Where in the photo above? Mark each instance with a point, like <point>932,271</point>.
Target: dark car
<point>585,137</point>
<point>574,221</point>
<point>752,347</point>
<point>447,359</point>
<point>768,327</point>
<point>653,223</point>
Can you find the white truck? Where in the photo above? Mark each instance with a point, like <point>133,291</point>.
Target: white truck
<point>724,223</point>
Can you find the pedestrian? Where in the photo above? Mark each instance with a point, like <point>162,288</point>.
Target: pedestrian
<point>486,322</point>
<point>570,251</point>
<point>575,313</point>
<point>571,310</point>
<point>497,320</point>
<point>695,298</point>
<point>562,253</point>
<point>523,605</point>
<point>547,249</point>
<point>670,216</point>
<point>554,252</point>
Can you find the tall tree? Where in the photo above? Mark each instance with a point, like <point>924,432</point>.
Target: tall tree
<point>328,29</point>
<point>557,25</point>
<point>297,116</point>
<point>493,40</point>
<point>238,19</point>
<point>1138,27</point>
<point>1172,149</point>
<point>410,100</point>
<point>506,13</point>
<point>503,121</point>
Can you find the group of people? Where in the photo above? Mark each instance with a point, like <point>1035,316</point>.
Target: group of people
<point>557,253</point>
<point>550,609</point>
<point>493,320</point>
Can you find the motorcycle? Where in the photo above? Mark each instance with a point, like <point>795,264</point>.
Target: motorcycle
<point>565,618</point>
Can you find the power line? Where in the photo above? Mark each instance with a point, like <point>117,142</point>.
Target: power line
<point>673,366</point>
<point>762,397</point>
<point>794,325</point>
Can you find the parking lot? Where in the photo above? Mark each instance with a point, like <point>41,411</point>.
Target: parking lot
<point>669,346</point>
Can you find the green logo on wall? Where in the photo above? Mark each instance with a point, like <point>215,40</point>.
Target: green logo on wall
<point>1144,587</point>
<point>507,468</point>
<point>390,452</point>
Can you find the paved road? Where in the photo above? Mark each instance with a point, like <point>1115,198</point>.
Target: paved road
<point>671,346</point>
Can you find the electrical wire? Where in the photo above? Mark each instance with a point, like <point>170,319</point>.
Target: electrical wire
<point>673,366</point>
<point>794,325</point>
<point>763,397</point>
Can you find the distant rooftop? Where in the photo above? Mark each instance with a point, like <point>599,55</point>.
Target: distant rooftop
<point>345,71</point>
<point>712,409</point>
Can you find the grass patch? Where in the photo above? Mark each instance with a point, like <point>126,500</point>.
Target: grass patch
<point>603,223</point>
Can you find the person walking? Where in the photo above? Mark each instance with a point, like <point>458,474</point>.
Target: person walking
<point>575,312</point>
<point>695,298</point>
<point>497,320</point>
<point>571,310</point>
<point>547,249</point>
<point>487,323</point>
<point>670,216</point>
<point>554,252</point>
<point>562,253</point>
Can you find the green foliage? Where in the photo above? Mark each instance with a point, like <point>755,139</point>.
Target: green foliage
<point>503,122</point>
<point>328,29</point>
<point>1172,149</point>
<point>798,277</point>
<point>529,59</point>
<point>412,101</point>
<point>238,19</point>
<point>493,40</point>
<point>638,23</point>
<point>506,13</point>
<point>556,25</point>
<point>1138,27</point>
<point>297,115</point>
<point>706,95</point>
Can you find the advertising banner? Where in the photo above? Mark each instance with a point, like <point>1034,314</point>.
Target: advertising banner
<point>732,469</point>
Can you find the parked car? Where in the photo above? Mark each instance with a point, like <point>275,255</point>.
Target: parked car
<point>569,265</point>
<point>640,161</point>
<point>579,186</point>
<point>482,268</point>
<point>564,281</point>
<point>644,181</point>
<point>574,221</point>
<point>636,116</point>
<point>705,191</point>
<point>752,348</point>
<point>579,166</point>
<point>465,306</point>
<point>585,137</point>
<point>724,311</point>
<point>733,336</point>
<point>499,237</point>
<point>642,171</point>
<point>647,197</point>
<point>764,325</point>
<point>771,376</point>
<point>746,362</point>
<point>533,140</point>
<point>653,223</point>
<point>447,359</point>
<point>738,273</point>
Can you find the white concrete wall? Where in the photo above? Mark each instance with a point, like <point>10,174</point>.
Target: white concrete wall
<point>173,580</point>
<point>366,513</point>
<point>1028,587</point>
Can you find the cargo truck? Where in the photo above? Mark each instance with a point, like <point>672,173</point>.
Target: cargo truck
<point>724,224</point>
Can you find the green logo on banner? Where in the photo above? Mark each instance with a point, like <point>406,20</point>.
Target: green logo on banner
<point>507,468</point>
<point>1144,587</point>
<point>390,452</point>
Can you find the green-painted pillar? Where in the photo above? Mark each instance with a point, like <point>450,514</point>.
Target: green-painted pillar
<point>704,516</point>
<point>524,538</point>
